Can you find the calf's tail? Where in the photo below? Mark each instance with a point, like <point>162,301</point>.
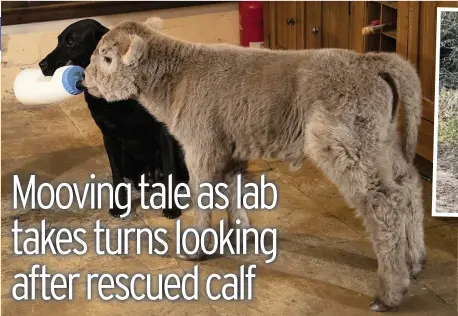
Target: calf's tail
<point>405,83</point>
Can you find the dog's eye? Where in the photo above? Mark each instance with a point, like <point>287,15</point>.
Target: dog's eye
<point>70,43</point>
<point>107,60</point>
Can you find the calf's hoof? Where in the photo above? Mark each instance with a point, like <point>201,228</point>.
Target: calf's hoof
<point>191,245</point>
<point>377,305</point>
<point>171,213</point>
<point>199,255</point>
<point>418,267</point>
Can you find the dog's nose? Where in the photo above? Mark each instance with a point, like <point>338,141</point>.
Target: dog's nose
<point>43,64</point>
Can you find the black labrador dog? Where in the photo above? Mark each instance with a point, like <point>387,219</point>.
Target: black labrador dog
<point>135,142</point>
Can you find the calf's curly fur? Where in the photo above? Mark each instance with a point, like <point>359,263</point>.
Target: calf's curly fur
<point>227,105</point>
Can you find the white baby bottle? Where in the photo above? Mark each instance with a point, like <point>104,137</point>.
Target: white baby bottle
<point>31,87</point>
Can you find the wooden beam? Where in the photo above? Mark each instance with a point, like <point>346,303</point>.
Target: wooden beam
<point>53,11</point>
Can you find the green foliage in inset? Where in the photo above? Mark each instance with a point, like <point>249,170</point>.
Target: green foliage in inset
<point>449,50</point>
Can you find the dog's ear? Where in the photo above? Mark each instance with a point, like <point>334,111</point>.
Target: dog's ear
<point>155,23</point>
<point>136,50</point>
<point>99,31</point>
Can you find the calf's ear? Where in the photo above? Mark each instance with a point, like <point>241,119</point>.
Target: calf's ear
<point>135,51</point>
<point>155,23</point>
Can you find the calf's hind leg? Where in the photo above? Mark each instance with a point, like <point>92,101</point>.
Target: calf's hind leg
<point>414,226</point>
<point>407,176</point>
<point>233,212</point>
<point>385,220</point>
<point>359,171</point>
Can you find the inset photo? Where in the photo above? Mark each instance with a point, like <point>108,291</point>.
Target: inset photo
<point>445,201</point>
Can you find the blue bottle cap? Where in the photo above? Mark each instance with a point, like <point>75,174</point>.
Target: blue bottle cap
<point>70,77</point>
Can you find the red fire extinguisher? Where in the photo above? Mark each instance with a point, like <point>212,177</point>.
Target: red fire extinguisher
<point>251,24</point>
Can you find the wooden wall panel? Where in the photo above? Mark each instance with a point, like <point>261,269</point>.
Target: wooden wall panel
<point>356,40</point>
<point>335,24</point>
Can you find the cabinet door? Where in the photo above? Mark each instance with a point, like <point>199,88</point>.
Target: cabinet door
<point>335,24</point>
<point>312,24</point>
<point>285,24</point>
<point>327,24</point>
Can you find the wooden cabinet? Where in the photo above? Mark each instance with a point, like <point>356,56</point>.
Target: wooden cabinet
<point>314,24</point>
<point>285,24</point>
<point>411,32</point>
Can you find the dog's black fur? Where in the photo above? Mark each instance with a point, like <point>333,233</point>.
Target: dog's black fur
<point>135,142</point>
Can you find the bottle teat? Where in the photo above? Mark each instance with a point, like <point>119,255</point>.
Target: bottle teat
<point>70,78</point>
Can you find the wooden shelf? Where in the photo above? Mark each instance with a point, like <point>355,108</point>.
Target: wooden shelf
<point>386,12</point>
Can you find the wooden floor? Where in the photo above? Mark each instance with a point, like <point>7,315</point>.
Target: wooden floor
<point>325,264</point>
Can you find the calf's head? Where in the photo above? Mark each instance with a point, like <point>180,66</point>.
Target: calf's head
<point>119,60</point>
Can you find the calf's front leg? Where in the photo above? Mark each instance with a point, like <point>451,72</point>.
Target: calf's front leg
<point>204,167</point>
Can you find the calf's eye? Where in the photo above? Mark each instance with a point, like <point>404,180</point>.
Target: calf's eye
<point>107,60</point>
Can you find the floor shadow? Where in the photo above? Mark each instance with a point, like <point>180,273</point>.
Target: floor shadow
<point>48,166</point>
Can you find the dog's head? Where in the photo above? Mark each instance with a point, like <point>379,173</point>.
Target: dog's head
<point>120,59</point>
<point>75,46</point>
